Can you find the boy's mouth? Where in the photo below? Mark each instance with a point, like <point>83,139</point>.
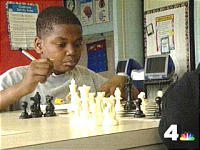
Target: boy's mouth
<point>69,63</point>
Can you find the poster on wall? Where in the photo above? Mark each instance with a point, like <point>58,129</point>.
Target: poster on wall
<point>102,12</point>
<point>21,24</point>
<point>97,56</point>
<point>171,34</point>
<point>73,5</point>
<point>70,4</point>
<point>165,33</point>
<point>86,12</point>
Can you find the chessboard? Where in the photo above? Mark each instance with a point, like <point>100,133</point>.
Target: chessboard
<point>89,107</point>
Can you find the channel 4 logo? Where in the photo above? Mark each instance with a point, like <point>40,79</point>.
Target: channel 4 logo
<point>171,132</point>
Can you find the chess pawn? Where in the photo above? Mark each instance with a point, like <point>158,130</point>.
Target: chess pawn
<point>157,112</point>
<point>50,107</point>
<point>159,93</point>
<point>138,113</point>
<point>24,114</point>
<point>142,96</point>
<point>118,98</point>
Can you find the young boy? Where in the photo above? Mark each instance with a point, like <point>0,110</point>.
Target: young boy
<point>59,43</point>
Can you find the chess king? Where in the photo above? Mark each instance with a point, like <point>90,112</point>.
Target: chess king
<point>59,42</point>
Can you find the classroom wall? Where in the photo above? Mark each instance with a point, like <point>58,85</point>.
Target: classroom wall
<point>197,30</point>
<point>108,36</point>
<point>103,27</point>
<point>11,58</point>
<point>153,4</point>
<point>128,30</point>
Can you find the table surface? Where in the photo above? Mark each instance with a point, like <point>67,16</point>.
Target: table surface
<point>54,132</point>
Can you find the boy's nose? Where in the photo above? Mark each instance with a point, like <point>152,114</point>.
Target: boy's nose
<point>70,50</point>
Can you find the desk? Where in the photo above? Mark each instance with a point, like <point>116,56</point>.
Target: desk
<point>57,133</point>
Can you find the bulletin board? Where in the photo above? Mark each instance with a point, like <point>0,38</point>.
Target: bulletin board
<point>10,58</point>
<point>166,31</point>
<point>21,19</point>
<point>89,12</point>
<point>97,56</point>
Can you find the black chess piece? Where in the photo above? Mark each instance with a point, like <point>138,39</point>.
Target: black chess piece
<point>37,97</point>
<point>138,113</point>
<point>157,112</point>
<point>34,109</point>
<point>50,107</point>
<point>129,105</point>
<point>24,114</point>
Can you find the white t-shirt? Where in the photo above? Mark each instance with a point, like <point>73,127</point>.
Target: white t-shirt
<point>56,86</point>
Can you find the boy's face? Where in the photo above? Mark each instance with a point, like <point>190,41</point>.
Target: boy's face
<point>62,45</point>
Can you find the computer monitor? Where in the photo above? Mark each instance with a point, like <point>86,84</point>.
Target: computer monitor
<point>158,67</point>
<point>124,67</point>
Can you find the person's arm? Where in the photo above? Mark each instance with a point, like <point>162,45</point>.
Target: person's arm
<point>38,71</point>
<point>114,82</point>
<point>11,95</point>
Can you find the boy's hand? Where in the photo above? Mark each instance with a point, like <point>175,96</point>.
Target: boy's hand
<point>117,81</point>
<point>38,71</point>
<point>114,82</point>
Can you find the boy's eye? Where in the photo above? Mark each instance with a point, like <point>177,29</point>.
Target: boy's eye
<point>62,45</point>
<point>78,44</point>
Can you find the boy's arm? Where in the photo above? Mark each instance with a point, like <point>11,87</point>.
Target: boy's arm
<point>38,71</point>
<point>114,82</point>
<point>11,95</point>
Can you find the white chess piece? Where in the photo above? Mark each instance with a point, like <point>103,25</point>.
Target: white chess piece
<point>75,120</point>
<point>159,93</point>
<point>77,107</point>
<point>73,94</point>
<point>92,102</point>
<point>118,98</point>
<point>84,93</point>
<point>93,108</point>
<point>99,107</point>
<point>109,112</point>
<point>141,95</point>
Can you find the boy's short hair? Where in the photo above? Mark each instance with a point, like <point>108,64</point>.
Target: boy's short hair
<point>52,16</point>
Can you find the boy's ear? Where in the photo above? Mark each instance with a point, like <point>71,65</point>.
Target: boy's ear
<point>38,45</point>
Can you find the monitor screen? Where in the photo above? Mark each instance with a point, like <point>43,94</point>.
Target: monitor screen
<point>121,66</point>
<point>156,65</point>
